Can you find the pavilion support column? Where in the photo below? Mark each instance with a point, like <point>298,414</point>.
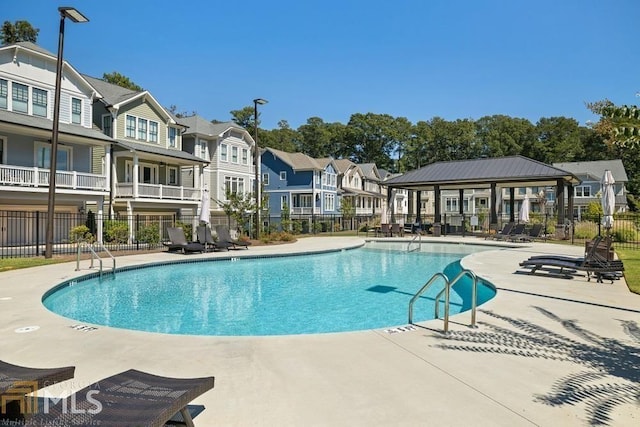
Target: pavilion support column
<point>560,230</point>
<point>461,208</point>
<point>493,220</point>
<point>437,219</point>
<point>512,204</point>
<point>418,195</point>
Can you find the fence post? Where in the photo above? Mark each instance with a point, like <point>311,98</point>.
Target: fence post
<point>37,232</point>
<point>137,230</point>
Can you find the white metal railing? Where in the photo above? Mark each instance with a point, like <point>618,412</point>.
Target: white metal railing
<point>37,177</point>
<point>158,191</point>
<point>94,256</point>
<point>304,211</point>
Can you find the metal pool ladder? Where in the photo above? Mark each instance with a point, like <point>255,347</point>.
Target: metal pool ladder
<point>94,256</point>
<point>446,291</point>
<point>418,236</point>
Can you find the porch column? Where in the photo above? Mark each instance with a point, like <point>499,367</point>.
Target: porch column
<point>418,210</point>
<point>99,219</point>
<point>493,220</point>
<point>560,209</point>
<point>135,176</point>
<point>512,204</point>
<point>461,198</point>
<point>106,168</point>
<point>130,221</point>
<point>437,205</point>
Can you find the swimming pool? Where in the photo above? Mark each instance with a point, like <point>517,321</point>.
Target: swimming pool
<point>347,290</point>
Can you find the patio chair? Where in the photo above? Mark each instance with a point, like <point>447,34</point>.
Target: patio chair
<point>504,233</point>
<point>385,230</point>
<point>396,230</point>
<point>132,398</point>
<point>178,241</point>
<point>16,382</point>
<point>224,237</point>
<point>533,234</point>
<point>593,264</point>
<point>206,239</point>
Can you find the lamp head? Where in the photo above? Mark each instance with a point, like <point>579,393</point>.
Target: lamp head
<point>73,14</point>
<point>260,101</point>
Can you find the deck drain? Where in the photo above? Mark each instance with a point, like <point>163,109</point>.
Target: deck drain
<point>400,329</point>
<point>26,329</point>
<point>84,328</point>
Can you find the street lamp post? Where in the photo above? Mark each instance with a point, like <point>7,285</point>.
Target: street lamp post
<point>75,16</point>
<point>256,161</point>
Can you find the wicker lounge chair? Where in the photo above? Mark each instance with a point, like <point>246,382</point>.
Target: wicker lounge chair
<point>17,381</point>
<point>224,237</point>
<point>178,241</point>
<point>205,238</point>
<point>131,398</point>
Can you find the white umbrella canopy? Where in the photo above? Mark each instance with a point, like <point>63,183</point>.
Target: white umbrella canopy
<point>524,210</point>
<point>608,199</point>
<point>205,206</point>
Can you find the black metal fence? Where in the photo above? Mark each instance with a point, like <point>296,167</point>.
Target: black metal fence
<point>22,234</point>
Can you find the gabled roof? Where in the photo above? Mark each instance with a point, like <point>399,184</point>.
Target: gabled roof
<point>479,173</point>
<point>344,165</point>
<point>370,171</point>
<point>297,161</point>
<point>595,170</point>
<point>34,48</point>
<point>44,124</point>
<point>198,125</point>
<point>116,96</point>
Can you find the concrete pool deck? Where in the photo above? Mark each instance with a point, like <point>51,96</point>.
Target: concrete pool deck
<point>547,351</point>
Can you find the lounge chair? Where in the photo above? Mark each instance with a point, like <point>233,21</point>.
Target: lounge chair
<point>131,398</point>
<point>178,241</point>
<point>591,264</point>
<point>16,382</point>
<point>396,230</point>
<point>205,238</point>
<point>224,237</point>
<point>385,230</point>
<point>502,234</point>
<point>533,234</point>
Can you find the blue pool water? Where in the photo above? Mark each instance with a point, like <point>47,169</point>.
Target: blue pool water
<point>358,289</point>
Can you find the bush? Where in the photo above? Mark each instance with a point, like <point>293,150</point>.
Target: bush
<point>79,234</point>
<point>186,227</point>
<point>585,229</point>
<point>116,231</point>
<point>624,231</point>
<point>148,234</point>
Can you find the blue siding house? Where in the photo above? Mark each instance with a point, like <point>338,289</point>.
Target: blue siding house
<point>299,185</point>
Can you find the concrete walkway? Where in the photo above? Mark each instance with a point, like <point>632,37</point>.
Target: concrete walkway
<point>548,352</point>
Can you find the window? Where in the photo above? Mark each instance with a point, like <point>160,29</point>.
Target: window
<point>153,131</point>
<point>20,98</point>
<point>305,201</point>
<point>223,152</point>
<point>142,129</point>
<point>233,185</point>
<point>43,157</point>
<point>329,202</point>
<point>283,176</point>
<point>39,102</point>
<point>234,154</point>
<point>582,191</point>
<point>265,178</point>
<point>2,150</point>
<point>245,156</point>
<point>76,111</point>
<point>202,147</point>
<point>451,204</point>
<point>131,127</point>
<point>316,174</point>
<point>173,136</point>
<point>4,92</point>
<point>172,175</point>
<point>283,202</point>
<point>106,125</point>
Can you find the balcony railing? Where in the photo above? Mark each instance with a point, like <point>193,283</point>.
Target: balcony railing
<point>37,177</point>
<point>158,191</point>
<point>296,210</point>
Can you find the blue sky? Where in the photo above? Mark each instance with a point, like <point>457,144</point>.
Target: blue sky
<point>332,58</point>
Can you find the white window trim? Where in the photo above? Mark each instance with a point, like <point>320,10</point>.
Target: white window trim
<point>224,148</point>
<point>283,175</point>
<point>155,175</point>
<point>265,178</point>
<point>168,174</point>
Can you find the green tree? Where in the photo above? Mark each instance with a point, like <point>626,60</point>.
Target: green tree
<point>500,135</point>
<point>237,206</point>
<point>619,125</point>
<point>283,138</point>
<point>244,117</point>
<point>374,137</point>
<point>20,31</point>
<point>120,80</point>
<point>558,140</point>
<point>315,138</point>
<point>454,140</point>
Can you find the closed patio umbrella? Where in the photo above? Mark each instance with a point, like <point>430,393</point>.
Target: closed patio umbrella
<point>608,199</point>
<point>524,210</point>
<point>205,206</point>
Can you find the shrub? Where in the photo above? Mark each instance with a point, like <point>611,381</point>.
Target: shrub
<point>79,234</point>
<point>624,231</point>
<point>186,227</point>
<point>148,234</point>
<point>585,229</point>
<point>116,231</point>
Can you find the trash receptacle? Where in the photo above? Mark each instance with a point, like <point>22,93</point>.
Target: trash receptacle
<point>435,230</point>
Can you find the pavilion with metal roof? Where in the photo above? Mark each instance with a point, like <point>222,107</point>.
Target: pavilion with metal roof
<point>488,173</point>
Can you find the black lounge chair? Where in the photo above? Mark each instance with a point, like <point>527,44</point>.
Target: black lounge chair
<point>503,234</point>
<point>533,234</point>
<point>16,382</point>
<point>591,264</point>
<point>131,398</point>
<point>179,242</point>
<point>205,238</point>
<point>225,237</point>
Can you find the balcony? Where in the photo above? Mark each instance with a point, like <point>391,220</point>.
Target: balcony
<point>296,210</point>
<point>158,192</point>
<point>36,177</point>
